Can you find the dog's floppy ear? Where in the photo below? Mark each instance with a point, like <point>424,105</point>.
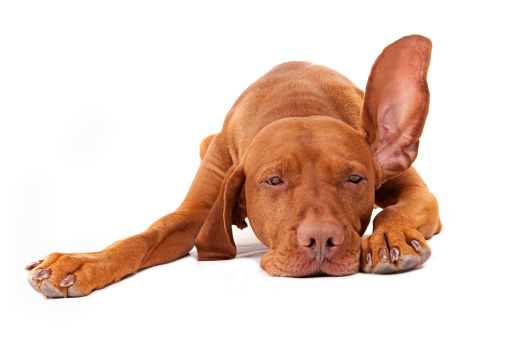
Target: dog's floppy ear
<point>396,103</point>
<point>215,241</point>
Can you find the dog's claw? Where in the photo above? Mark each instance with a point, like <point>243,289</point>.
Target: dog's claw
<point>41,274</point>
<point>368,259</point>
<point>383,254</point>
<point>416,245</point>
<point>425,254</point>
<point>395,254</point>
<point>68,281</point>
<point>32,265</point>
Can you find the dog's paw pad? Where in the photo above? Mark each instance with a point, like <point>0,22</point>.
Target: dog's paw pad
<point>407,262</point>
<point>49,290</point>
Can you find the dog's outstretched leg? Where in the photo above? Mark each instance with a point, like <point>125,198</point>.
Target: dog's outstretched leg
<point>169,238</point>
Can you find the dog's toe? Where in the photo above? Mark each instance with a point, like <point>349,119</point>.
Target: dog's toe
<point>406,263</point>
<point>385,265</point>
<point>424,251</point>
<point>49,290</point>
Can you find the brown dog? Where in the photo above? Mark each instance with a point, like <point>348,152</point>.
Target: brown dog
<point>305,155</point>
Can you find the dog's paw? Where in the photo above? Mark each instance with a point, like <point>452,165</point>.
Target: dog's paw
<point>394,250</point>
<point>69,275</point>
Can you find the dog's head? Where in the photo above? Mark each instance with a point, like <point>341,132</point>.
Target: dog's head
<point>309,183</point>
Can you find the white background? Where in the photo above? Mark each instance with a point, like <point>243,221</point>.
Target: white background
<point>103,106</point>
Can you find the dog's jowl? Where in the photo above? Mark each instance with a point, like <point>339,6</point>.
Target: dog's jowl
<point>305,155</point>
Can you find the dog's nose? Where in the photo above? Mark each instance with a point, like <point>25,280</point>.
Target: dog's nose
<point>320,237</point>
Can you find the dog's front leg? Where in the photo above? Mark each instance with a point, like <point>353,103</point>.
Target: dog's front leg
<point>169,238</point>
<point>410,216</point>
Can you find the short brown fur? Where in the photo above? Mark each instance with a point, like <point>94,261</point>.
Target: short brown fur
<point>305,155</point>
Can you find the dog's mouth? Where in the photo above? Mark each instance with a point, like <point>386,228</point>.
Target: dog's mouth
<point>277,263</point>
<point>309,253</point>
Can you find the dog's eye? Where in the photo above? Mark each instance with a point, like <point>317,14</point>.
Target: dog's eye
<point>355,179</point>
<point>275,181</point>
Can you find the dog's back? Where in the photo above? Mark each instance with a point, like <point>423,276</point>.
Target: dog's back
<point>293,89</point>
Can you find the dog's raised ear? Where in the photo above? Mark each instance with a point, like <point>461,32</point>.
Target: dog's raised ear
<point>396,103</point>
<point>215,240</point>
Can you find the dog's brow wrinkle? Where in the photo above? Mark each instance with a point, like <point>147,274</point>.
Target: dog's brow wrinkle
<point>216,170</point>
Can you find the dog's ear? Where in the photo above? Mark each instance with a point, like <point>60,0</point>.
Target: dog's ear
<point>215,240</point>
<point>396,103</point>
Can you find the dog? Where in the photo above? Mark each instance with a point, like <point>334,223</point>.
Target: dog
<point>306,156</point>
